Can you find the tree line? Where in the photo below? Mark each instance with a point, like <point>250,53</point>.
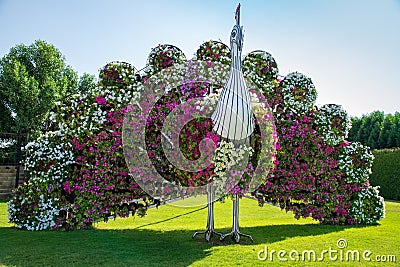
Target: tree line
<point>376,130</point>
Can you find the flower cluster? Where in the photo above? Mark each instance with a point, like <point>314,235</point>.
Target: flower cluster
<point>368,207</point>
<point>80,115</point>
<point>333,123</point>
<point>214,51</point>
<point>230,167</point>
<point>34,212</point>
<point>261,68</point>
<point>163,56</point>
<point>208,102</point>
<point>36,204</point>
<point>299,93</point>
<point>119,88</point>
<point>49,158</point>
<point>355,161</point>
<point>118,74</point>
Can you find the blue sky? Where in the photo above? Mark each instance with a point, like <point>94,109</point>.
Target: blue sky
<point>349,48</point>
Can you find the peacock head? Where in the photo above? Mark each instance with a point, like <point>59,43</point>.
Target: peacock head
<point>237,32</point>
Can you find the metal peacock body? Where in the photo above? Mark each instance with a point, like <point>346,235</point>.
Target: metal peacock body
<point>233,120</point>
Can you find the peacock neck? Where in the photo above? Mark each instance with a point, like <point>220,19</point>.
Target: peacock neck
<point>236,57</point>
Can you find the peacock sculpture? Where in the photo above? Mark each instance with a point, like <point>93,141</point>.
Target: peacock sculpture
<point>78,173</point>
<point>233,121</point>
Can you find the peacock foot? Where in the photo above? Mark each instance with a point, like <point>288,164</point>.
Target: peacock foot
<point>235,234</point>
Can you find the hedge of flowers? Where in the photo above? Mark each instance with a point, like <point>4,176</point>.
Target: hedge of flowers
<point>317,174</point>
<point>79,174</point>
<point>93,182</point>
<point>38,205</point>
<point>226,171</point>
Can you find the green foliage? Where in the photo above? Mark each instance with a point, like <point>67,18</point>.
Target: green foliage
<point>376,130</point>
<point>6,119</point>
<point>86,83</point>
<point>32,79</point>
<point>386,172</point>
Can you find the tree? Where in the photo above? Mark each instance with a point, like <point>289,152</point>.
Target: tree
<point>394,135</point>
<point>32,79</point>
<point>365,128</point>
<point>355,128</point>
<point>6,116</point>
<point>376,130</point>
<point>377,118</point>
<point>86,83</point>
<point>387,124</point>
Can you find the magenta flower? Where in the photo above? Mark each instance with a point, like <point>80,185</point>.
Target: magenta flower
<point>101,100</point>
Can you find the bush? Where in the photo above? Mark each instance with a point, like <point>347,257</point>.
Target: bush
<point>386,172</point>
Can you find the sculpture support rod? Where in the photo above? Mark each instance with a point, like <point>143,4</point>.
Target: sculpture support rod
<point>210,215</point>
<point>235,233</point>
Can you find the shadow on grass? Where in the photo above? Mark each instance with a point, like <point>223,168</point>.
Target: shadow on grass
<point>133,247</point>
<point>171,218</point>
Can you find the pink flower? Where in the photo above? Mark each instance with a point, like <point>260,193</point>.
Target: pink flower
<point>67,187</point>
<point>101,100</point>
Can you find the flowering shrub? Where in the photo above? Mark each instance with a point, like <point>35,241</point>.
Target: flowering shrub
<point>227,171</point>
<point>93,182</point>
<point>118,74</point>
<point>34,212</point>
<point>355,161</point>
<point>36,205</point>
<point>163,56</point>
<point>333,123</point>
<point>50,158</point>
<point>299,93</point>
<point>368,207</point>
<point>79,173</point>
<point>214,51</point>
<point>317,173</point>
<point>261,68</point>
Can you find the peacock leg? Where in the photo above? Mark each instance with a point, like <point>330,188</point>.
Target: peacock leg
<point>210,231</point>
<point>235,233</point>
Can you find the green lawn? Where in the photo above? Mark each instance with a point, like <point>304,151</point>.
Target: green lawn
<point>163,238</point>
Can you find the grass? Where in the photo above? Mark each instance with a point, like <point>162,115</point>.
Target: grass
<point>163,238</point>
